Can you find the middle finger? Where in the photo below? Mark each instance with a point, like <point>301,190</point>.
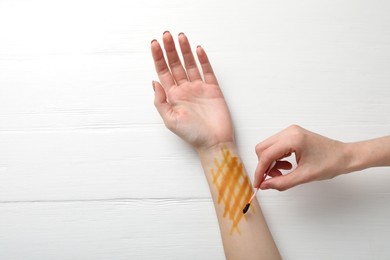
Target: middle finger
<point>178,72</point>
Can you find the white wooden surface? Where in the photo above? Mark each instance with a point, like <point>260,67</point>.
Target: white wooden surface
<point>88,171</point>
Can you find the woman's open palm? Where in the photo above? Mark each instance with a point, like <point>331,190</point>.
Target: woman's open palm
<point>192,107</point>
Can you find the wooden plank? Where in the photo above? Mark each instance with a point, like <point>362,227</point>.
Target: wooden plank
<point>117,229</point>
<point>325,227</point>
<point>125,163</point>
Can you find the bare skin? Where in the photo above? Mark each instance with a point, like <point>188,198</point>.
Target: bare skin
<point>192,106</point>
<point>318,157</point>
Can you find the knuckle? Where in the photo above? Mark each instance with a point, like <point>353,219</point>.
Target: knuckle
<point>259,148</point>
<point>266,157</point>
<point>175,63</point>
<point>281,188</point>
<point>298,135</point>
<point>298,138</point>
<point>295,128</point>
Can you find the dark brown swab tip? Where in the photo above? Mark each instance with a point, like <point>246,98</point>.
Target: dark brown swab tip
<point>245,210</point>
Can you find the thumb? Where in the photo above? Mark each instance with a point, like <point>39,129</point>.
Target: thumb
<point>160,100</point>
<point>284,182</point>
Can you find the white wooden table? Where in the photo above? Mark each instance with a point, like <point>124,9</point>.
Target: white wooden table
<point>88,170</point>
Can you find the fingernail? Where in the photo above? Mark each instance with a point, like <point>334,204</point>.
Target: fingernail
<point>165,32</point>
<point>181,33</point>
<point>154,40</point>
<point>198,46</point>
<point>154,88</point>
<point>264,187</point>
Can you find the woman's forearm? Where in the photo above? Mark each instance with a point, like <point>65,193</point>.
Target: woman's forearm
<point>366,154</point>
<point>193,107</point>
<point>244,236</point>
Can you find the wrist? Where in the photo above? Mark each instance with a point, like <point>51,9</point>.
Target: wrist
<point>369,153</point>
<point>212,154</point>
<point>211,151</point>
<point>355,157</point>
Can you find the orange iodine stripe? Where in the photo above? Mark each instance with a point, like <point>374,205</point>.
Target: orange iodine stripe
<point>233,186</point>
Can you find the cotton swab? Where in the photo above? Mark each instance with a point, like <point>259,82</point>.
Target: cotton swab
<point>245,210</point>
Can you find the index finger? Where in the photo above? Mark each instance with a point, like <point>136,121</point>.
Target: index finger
<point>267,157</point>
<point>163,72</point>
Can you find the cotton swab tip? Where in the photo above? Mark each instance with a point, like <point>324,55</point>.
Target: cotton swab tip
<point>245,210</point>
